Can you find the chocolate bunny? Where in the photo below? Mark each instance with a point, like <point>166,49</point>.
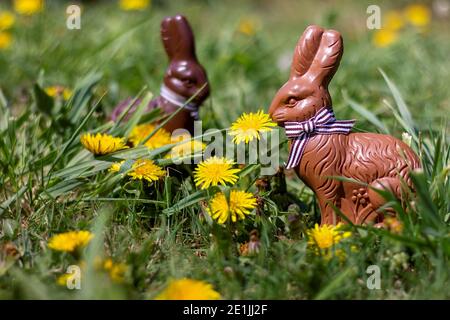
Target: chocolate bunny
<point>322,148</point>
<point>183,79</point>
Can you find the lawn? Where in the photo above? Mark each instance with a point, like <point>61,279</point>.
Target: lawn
<point>143,238</point>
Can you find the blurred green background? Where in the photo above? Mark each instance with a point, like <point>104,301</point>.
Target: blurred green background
<point>245,46</point>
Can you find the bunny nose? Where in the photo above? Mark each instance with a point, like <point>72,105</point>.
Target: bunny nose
<point>272,109</point>
<point>278,115</point>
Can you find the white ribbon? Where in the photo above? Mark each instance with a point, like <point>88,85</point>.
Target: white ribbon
<point>179,101</point>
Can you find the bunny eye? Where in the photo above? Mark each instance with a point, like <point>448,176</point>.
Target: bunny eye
<point>291,101</point>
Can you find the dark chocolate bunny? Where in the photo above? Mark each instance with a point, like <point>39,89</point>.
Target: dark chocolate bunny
<point>184,77</point>
<point>322,147</point>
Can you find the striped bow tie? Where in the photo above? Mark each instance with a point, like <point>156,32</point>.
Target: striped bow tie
<point>179,101</point>
<point>323,122</point>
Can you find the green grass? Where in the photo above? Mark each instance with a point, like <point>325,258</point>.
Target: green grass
<point>49,184</point>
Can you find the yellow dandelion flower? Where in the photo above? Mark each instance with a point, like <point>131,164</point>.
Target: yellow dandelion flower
<point>115,167</point>
<point>146,169</point>
<point>108,264</point>
<point>66,278</point>
<point>394,21</point>
<point>67,94</point>
<point>159,139</point>
<point>250,125</point>
<point>384,38</point>
<point>130,5</point>
<point>58,91</point>
<point>188,289</point>
<point>393,224</point>
<point>248,26</point>
<point>241,204</point>
<point>52,91</point>
<point>7,20</point>
<point>116,271</point>
<point>215,171</point>
<point>70,241</point>
<point>418,15</point>
<point>28,7</point>
<point>62,279</point>
<point>326,236</point>
<point>5,40</point>
<point>187,148</point>
<point>101,144</point>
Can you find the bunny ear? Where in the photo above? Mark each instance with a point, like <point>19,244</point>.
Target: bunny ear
<point>177,37</point>
<point>306,50</point>
<point>327,58</point>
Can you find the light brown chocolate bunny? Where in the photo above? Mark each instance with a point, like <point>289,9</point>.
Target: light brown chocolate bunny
<point>303,106</point>
<point>184,76</point>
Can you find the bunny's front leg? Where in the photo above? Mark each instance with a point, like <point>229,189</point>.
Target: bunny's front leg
<point>329,196</point>
<point>327,211</point>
